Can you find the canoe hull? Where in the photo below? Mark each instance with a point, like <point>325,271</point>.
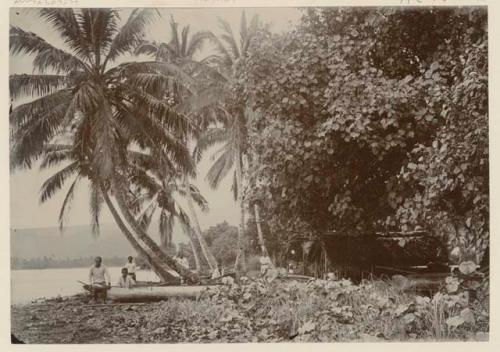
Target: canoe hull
<point>154,293</point>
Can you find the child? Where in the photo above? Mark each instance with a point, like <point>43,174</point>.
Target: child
<point>126,280</point>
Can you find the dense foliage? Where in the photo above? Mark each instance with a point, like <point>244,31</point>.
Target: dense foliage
<point>348,134</point>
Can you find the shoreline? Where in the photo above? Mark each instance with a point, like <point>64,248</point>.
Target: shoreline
<point>318,311</point>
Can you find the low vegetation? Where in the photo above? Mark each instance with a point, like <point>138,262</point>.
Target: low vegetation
<point>276,311</point>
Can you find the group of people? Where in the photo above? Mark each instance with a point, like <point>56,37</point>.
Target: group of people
<point>100,280</point>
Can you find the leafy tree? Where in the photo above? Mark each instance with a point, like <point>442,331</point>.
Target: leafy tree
<point>334,127</point>
<point>446,179</point>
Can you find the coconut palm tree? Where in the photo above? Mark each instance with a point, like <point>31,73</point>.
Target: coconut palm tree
<point>180,51</point>
<point>157,189</point>
<point>181,47</point>
<point>230,132</point>
<point>107,106</point>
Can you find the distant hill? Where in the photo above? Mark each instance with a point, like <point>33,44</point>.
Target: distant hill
<point>74,242</point>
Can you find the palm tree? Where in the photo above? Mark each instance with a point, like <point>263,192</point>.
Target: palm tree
<point>107,107</point>
<point>230,131</point>
<point>180,51</point>
<point>157,190</point>
<point>55,154</point>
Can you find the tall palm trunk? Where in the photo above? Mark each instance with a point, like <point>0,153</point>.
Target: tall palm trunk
<point>240,262</point>
<point>162,258</point>
<point>212,263</point>
<point>159,269</point>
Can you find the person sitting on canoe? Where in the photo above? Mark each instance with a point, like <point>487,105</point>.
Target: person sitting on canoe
<point>126,280</point>
<point>131,268</point>
<point>99,279</point>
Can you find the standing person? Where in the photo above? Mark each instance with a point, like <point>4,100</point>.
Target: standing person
<point>99,279</point>
<point>218,271</point>
<point>126,280</point>
<point>265,262</point>
<point>131,268</point>
<point>182,260</point>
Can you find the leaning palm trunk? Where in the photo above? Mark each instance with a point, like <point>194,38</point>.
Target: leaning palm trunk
<point>212,263</point>
<point>197,263</point>
<point>240,262</point>
<point>196,248</point>
<point>159,269</point>
<point>161,259</point>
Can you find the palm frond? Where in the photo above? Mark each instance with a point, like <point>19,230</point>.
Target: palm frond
<point>141,178</point>
<point>254,23</point>
<point>34,124</point>
<point>224,58</point>
<point>220,168</point>
<point>250,34</point>
<point>183,218</point>
<point>164,140</point>
<point>66,205</point>
<point>56,181</point>
<point>209,97</point>
<point>146,48</point>
<point>228,37</point>
<point>162,68</point>
<point>131,34</point>
<point>155,83</point>
<point>95,206</point>
<point>140,159</point>
<point>184,41</point>
<point>196,42</point>
<point>27,112</point>
<point>66,23</point>
<point>55,154</point>
<point>198,198</point>
<point>211,137</point>
<point>35,85</point>
<point>174,41</point>
<point>164,114</point>
<point>46,55</point>
<point>98,28</point>
<point>243,29</point>
<point>146,215</point>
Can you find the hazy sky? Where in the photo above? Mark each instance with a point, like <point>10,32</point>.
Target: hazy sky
<point>25,185</point>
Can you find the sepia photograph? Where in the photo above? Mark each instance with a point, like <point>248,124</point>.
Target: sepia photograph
<point>249,174</point>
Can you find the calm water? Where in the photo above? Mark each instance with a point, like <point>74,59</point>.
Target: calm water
<point>27,285</point>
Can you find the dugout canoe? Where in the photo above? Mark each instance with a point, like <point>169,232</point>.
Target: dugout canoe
<point>155,293</point>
